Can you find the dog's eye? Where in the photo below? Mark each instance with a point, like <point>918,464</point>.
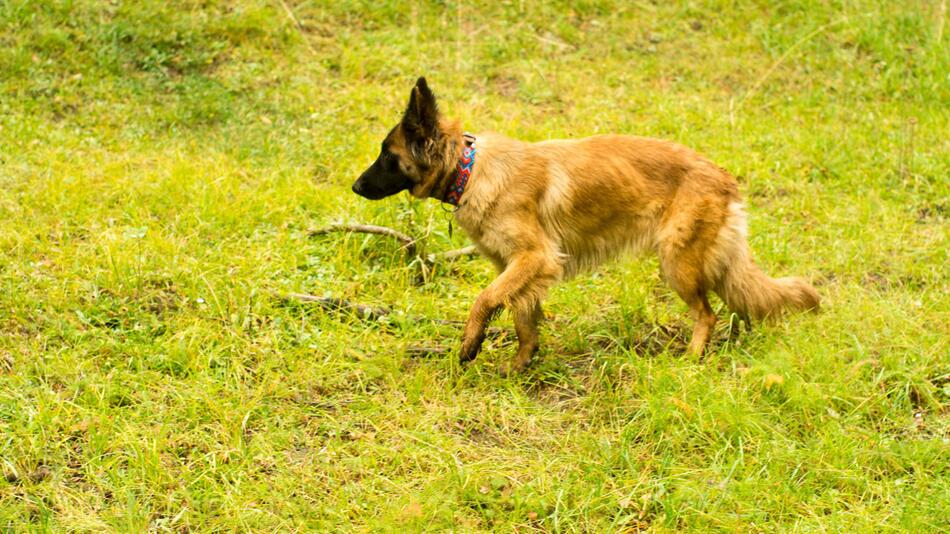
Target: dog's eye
<point>389,161</point>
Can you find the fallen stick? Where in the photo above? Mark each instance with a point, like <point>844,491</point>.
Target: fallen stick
<point>419,351</point>
<point>338,304</point>
<point>470,250</point>
<point>298,26</point>
<point>425,351</point>
<point>369,311</point>
<point>490,332</point>
<point>407,242</point>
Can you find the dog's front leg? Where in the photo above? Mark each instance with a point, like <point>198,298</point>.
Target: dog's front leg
<point>523,281</point>
<point>526,316</point>
<point>481,313</point>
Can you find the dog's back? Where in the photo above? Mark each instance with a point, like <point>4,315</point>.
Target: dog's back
<point>599,196</point>
<point>595,198</point>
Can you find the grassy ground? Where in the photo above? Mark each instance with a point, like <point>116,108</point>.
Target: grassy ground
<point>161,164</point>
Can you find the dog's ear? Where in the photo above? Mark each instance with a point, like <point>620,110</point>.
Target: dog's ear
<point>421,120</point>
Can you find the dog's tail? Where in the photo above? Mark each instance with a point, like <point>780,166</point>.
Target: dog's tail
<point>751,293</point>
<point>745,288</point>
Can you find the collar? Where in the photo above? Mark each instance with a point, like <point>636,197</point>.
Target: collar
<point>463,171</point>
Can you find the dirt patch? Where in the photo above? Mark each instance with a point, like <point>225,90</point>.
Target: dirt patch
<point>933,212</point>
<point>160,296</point>
<point>506,86</point>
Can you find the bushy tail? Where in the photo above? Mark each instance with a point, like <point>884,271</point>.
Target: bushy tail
<point>753,294</point>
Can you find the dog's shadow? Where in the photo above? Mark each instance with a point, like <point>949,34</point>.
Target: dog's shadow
<point>566,369</point>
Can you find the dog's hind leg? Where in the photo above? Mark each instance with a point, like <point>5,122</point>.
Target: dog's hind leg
<point>681,262</point>
<point>522,284</point>
<point>690,289</point>
<point>704,319</point>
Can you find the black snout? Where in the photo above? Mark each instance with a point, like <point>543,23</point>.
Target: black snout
<point>379,181</point>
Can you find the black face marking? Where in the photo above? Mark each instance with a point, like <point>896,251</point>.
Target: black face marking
<point>383,178</point>
<point>390,161</point>
<point>416,132</point>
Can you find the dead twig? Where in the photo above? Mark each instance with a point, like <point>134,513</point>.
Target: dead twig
<point>423,351</point>
<point>555,41</point>
<point>371,312</point>
<point>491,332</point>
<point>337,304</point>
<point>407,242</point>
<point>297,25</point>
<point>470,250</point>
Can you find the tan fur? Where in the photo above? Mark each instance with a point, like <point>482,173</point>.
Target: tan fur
<point>547,211</point>
<point>543,212</point>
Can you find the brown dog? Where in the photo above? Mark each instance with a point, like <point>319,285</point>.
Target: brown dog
<point>545,211</point>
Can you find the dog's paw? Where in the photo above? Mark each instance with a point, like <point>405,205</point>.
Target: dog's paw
<point>513,367</point>
<point>469,349</point>
<point>519,362</point>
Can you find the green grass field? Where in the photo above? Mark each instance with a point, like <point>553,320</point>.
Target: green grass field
<point>162,164</point>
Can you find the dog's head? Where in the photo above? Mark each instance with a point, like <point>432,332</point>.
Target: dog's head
<point>414,154</point>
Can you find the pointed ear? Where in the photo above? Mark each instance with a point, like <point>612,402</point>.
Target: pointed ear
<point>421,120</point>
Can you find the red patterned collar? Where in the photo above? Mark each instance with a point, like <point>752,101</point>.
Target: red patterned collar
<point>463,171</point>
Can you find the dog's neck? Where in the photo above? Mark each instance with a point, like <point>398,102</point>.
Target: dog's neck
<point>455,180</point>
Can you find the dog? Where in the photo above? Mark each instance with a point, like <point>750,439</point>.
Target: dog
<point>543,212</point>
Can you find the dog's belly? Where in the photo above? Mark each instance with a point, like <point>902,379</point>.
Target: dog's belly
<point>584,250</point>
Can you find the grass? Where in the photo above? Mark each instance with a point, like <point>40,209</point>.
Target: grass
<point>162,163</point>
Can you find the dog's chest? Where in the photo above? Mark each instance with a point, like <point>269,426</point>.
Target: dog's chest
<point>486,232</point>
<point>472,224</point>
